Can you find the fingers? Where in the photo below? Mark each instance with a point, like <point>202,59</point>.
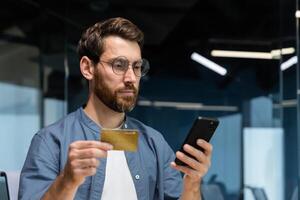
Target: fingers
<point>88,149</point>
<point>83,159</point>
<point>193,156</point>
<point>87,153</point>
<point>91,144</point>
<point>198,161</point>
<point>187,170</point>
<point>85,163</point>
<point>206,146</point>
<point>198,154</point>
<point>85,172</point>
<point>203,156</point>
<point>84,167</point>
<point>195,169</point>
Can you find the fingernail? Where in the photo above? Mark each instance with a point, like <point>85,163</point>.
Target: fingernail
<point>199,141</point>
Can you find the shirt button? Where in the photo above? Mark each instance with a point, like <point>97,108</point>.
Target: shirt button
<point>137,177</point>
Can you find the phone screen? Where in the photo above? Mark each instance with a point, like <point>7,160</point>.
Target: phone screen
<point>203,128</point>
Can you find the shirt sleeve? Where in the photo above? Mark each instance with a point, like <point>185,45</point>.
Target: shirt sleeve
<point>40,169</point>
<point>172,178</point>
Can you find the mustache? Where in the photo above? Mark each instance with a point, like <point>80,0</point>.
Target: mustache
<point>129,87</point>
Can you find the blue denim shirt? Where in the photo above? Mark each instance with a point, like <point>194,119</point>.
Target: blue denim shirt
<point>149,166</point>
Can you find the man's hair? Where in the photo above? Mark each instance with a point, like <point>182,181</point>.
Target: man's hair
<point>91,43</point>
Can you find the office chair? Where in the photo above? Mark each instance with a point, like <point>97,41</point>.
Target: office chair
<point>258,193</point>
<point>295,194</point>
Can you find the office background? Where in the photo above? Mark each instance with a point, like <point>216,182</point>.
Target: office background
<point>256,100</point>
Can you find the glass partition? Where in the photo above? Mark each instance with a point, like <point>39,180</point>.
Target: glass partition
<point>289,124</point>
<point>19,98</point>
<point>298,98</point>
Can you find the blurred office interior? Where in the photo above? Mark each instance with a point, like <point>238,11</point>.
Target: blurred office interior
<point>255,95</point>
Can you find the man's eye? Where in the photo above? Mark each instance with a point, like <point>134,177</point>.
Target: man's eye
<point>138,65</point>
<point>119,64</point>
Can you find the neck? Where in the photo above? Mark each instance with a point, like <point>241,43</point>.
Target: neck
<point>103,115</point>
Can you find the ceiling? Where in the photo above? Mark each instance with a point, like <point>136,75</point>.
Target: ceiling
<point>173,30</point>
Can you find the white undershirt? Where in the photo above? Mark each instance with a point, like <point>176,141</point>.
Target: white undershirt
<point>118,183</point>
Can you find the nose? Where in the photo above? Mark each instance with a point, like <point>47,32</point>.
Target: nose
<point>129,75</point>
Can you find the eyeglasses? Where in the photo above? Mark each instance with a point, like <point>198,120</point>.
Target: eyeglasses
<point>121,64</point>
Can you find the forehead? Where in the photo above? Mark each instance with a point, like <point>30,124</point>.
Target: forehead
<point>115,46</point>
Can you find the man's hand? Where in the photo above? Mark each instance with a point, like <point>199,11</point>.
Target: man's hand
<point>83,160</point>
<point>196,168</point>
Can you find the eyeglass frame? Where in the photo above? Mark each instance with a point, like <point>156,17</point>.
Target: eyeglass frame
<point>143,60</point>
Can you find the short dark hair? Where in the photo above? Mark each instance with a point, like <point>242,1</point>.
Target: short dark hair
<point>91,42</point>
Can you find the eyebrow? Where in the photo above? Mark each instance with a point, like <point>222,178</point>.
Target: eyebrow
<point>139,59</point>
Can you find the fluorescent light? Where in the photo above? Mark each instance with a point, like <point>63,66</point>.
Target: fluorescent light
<point>290,62</point>
<point>186,106</point>
<point>274,54</point>
<point>297,14</point>
<point>144,103</point>
<point>241,54</point>
<point>289,103</point>
<point>286,103</point>
<point>178,105</point>
<point>283,51</point>
<point>209,64</point>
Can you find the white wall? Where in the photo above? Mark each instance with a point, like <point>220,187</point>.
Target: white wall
<point>263,161</point>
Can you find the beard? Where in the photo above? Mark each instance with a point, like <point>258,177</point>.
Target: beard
<point>111,98</point>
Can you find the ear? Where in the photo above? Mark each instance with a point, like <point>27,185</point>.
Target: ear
<point>87,68</point>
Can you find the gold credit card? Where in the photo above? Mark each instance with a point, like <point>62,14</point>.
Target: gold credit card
<point>121,139</point>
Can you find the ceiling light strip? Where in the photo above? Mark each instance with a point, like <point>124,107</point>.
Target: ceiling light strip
<point>286,104</point>
<point>209,64</point>
<point>274,54</point>
<point>290,62</point>
<point>241,54</point>
<point>297,14</point>
<point>283,51</point>
<point>186,106</point>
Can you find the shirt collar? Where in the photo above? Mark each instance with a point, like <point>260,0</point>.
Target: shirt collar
<point>93,125</point>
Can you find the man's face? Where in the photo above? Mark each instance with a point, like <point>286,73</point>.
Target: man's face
<point>118,92</point>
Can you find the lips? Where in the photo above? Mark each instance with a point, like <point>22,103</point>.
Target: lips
<point>127,92</point>
<point>128,89</point>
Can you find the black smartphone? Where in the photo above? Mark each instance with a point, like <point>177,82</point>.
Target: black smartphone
<point>203,128</point>
<point>4,194</point>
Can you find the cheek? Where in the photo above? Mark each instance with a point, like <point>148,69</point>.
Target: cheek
<point>137,85</point>
<point>137,82</point>
<point>114,84</point>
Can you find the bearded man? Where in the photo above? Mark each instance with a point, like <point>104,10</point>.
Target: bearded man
<point>67,160</point>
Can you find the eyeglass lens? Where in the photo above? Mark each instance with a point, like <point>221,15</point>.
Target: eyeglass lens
<point>120,66</point>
